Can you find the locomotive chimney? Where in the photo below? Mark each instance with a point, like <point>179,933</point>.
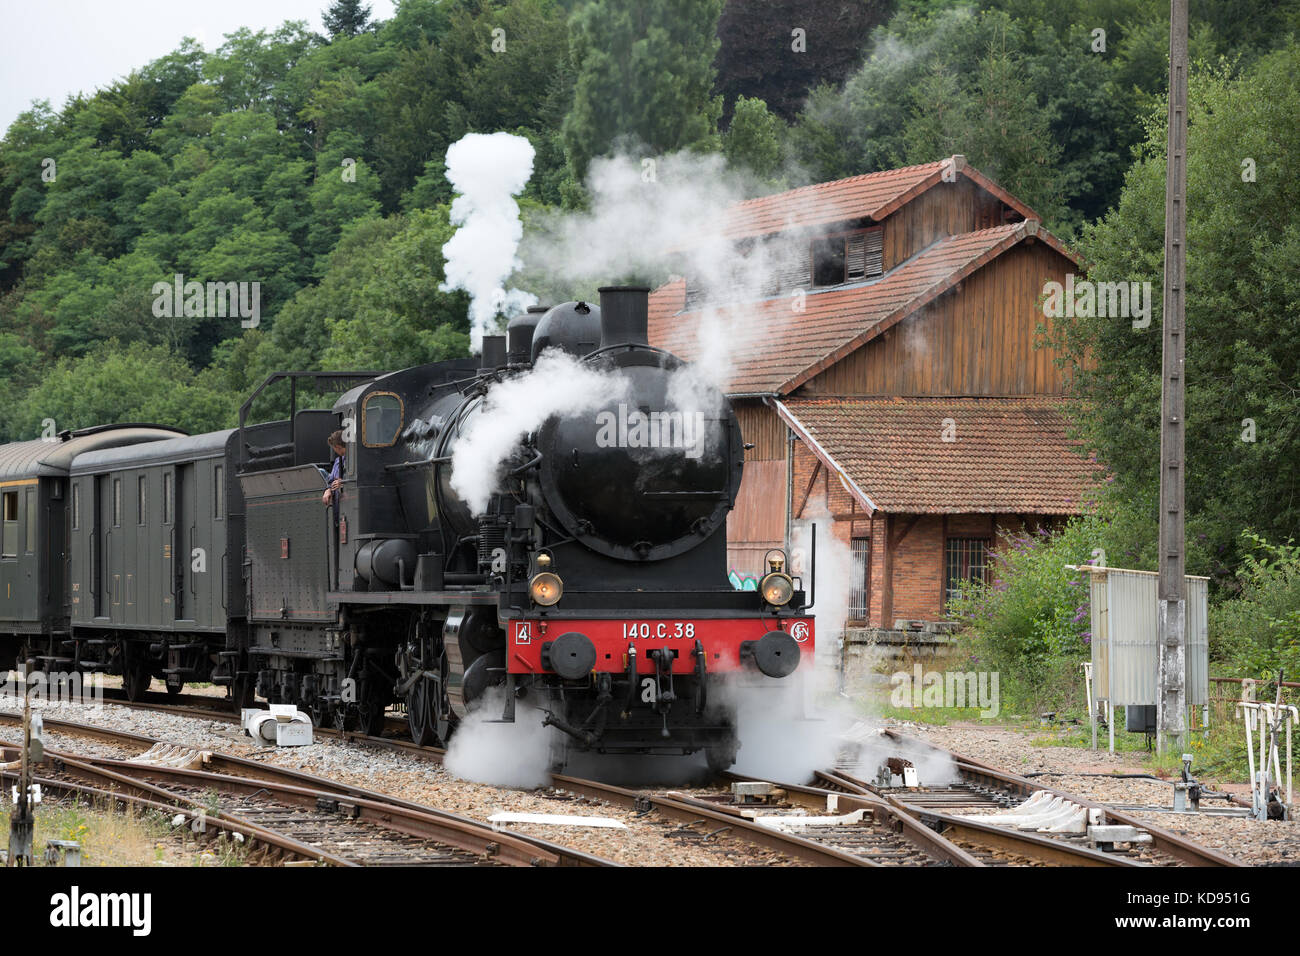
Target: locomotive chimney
<point>624,315</point>
<point>519,334</point>
<point>494,352</point>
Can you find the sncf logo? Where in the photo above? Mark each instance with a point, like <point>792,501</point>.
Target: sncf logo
<point>523,632</point>
<point>799,631</point>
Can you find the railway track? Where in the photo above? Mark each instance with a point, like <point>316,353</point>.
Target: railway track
<point>294,814</point>
<point>897,826</point>
<point>981,787</point>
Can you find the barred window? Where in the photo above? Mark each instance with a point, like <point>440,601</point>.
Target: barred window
<point>860,585</point>
<point>965,559</point>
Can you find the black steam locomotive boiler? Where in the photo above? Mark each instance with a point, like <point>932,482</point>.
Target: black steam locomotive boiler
<point>593,583</point>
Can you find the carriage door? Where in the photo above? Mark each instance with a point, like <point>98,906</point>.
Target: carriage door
<point>96,569</point>
<point>183,538</point>
<point>108,532</point>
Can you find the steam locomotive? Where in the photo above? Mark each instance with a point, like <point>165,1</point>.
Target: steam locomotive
<point>592,583</point>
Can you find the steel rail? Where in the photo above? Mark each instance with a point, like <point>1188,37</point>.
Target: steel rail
<point>680,810</point>
<point>140,788</point>
<point>832,801</point>
<point>225,823</point>
<point>475,839</point>
<point>1032,845</point>
<point>1161,839</point>
<point>233,766</point>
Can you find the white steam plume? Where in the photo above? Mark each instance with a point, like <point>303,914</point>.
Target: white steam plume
<point>487,172</point>
<point>782,739</point>
<point>558,383</point>
<point>502,755</point>
<point>652,219</point>
<point>790,727</point>
<point>833,584</point>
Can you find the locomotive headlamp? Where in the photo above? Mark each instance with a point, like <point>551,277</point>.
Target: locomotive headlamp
<point>777,588</point>
<point>545,588</point>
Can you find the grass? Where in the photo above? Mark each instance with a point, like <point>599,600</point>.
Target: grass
<point>938,716</point>
<point>1219,752</point>
<point>130,838</point>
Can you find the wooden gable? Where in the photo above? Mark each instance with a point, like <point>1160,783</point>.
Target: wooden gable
<point>978,338</point>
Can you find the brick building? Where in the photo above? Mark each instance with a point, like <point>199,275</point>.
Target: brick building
<point>892,376</point>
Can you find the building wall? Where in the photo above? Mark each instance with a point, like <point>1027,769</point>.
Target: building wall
<point>918,560</point>
<point>977,339</point>
<point>757,523</point>
<point>943,210</point>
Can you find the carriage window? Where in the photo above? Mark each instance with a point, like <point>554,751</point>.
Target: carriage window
<point>31,521</point>
<point>76,507</point>
<point>140,511</point>
<point>9,546</point>
<point>167,497</point>
<point>381,420</point>
<point>219,493</point>
<point>117,502</point>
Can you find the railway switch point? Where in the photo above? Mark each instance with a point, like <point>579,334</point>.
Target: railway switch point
<point>755,791</point>
<point>1105,837</point>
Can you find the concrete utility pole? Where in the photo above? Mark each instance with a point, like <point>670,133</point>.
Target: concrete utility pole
<point>1171,599</point>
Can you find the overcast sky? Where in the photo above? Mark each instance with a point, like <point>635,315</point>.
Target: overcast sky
<point>52,48</point>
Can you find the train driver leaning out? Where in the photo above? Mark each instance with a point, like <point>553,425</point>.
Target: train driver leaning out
<point>335,477</point>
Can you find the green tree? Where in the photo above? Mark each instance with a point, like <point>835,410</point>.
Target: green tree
<point>346,190</point>
<point>346,18</point>
<point>117,382</point>
<point>1243,337</point>
<point>755,141</point>
<point>996,123</point>
<point>644,78</point>
<point>401,316</point>
<point>955,80</point>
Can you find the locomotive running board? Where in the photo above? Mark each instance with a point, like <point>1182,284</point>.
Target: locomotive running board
<point>412,597</point>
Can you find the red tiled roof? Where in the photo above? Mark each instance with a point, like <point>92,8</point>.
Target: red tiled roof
<point>872,195</point>
<point>1009,455</point>
<point>775,350</point>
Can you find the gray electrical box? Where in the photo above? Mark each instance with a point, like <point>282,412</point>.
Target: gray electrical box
<point>1124,637</point>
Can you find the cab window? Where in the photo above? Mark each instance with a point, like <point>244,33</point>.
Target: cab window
<point>381,420</point>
